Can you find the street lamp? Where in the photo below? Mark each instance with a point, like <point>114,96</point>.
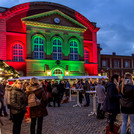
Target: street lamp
<point>48,73</point>
<point>67,73</point>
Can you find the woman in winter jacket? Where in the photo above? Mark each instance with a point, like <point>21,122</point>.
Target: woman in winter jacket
<point>111,103</point>
<point>37,112</point>
<point>127,103</point>
<point>18,106</point>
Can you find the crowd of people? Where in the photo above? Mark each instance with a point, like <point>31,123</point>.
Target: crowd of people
<point>113,97</point>
<point>117,96</point>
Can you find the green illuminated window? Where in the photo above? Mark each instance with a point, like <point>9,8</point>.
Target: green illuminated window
<point>57,71</point>
<point>57,49</point>
<point>73,50</point>
<point>18,52</point>
<point>38,48</point>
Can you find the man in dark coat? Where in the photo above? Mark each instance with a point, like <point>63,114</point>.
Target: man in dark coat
<point>56,96</point>
<point>111,103</point>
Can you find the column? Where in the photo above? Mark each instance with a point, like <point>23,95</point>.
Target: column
<point>3,50</point>
<point>29,44</point>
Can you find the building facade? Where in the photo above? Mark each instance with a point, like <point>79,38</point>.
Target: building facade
<point>48,39</point>
<point>115,64</point>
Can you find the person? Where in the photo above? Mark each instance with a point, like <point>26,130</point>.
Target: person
<point>26,83</point>
<point>111,103</point>
<point>49,93</point>
<point>2,93</point>
<point>67,87</point>
<point>17,105</point>
<point>79,86</point>
<point>8,89</point>
<point>37,112</point>
<point>56,95</point>
<point>100,92</point>
<point>62,89</point>
<point>86,87</point>
<point>127,103</point>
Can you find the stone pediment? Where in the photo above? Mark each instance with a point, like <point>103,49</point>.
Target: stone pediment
<point>54,19</point>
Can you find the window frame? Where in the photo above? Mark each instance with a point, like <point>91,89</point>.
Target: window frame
<point>104,65</point>
<point>57,48</point>
<point>116,61</point>
<point>38,47</point>
<point>128,64</point>
<point>18,52</point>
<point>86,58</point>
<point>57,70</point>
<point>73,54</point>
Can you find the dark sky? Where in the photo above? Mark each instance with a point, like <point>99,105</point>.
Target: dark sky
<point>114,17</point>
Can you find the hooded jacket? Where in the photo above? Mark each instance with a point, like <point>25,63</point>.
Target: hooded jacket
<point>111,103</point>
<point>38,111</point>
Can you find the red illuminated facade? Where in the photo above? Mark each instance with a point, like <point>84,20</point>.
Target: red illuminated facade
<point>15,35</point>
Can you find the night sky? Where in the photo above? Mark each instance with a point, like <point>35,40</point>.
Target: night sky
<point>114,17</point>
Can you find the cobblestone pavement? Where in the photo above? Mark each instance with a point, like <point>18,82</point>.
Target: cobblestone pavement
<point>64,120</point>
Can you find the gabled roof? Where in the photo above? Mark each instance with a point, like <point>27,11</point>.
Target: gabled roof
<point>30,20</point>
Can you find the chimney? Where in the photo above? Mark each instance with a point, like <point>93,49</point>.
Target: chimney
<point>132,55</point>
<point>114,53</point>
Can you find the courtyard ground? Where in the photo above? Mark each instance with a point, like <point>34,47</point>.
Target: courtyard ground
<point>64,120</point>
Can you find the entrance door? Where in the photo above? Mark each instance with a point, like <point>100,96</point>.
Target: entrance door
<point>58,72</point>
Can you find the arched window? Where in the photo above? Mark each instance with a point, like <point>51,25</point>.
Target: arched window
<point>86,56</point>
<point>18,52</point>
<point>73,50</point>
<point>57,71</point>
<point>57,49</point>
<point>38,48</point>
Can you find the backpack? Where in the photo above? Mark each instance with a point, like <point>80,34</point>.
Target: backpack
<point>33,101</point>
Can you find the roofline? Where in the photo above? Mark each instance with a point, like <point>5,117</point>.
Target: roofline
<point>25,6</point>
<point>116,55</point>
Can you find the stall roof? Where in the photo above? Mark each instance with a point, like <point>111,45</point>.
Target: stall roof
<point>39,77</point>
<point>84,77</point>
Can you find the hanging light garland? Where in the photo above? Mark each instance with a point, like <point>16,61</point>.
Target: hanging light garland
<point>7,71</point>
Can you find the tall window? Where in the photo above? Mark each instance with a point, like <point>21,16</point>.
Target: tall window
<point>86,56</point>
<point>38,48</point>
<point>73,50</point>
<point>104,63</point>
<point>127,64</point>
<point>57,49</point>
<point>116,63</point>
<point>18,52</point>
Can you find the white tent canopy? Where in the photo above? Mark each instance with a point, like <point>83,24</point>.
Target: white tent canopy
<point>56,77</point>
<point>38,77</point>
<point>85,77</point>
